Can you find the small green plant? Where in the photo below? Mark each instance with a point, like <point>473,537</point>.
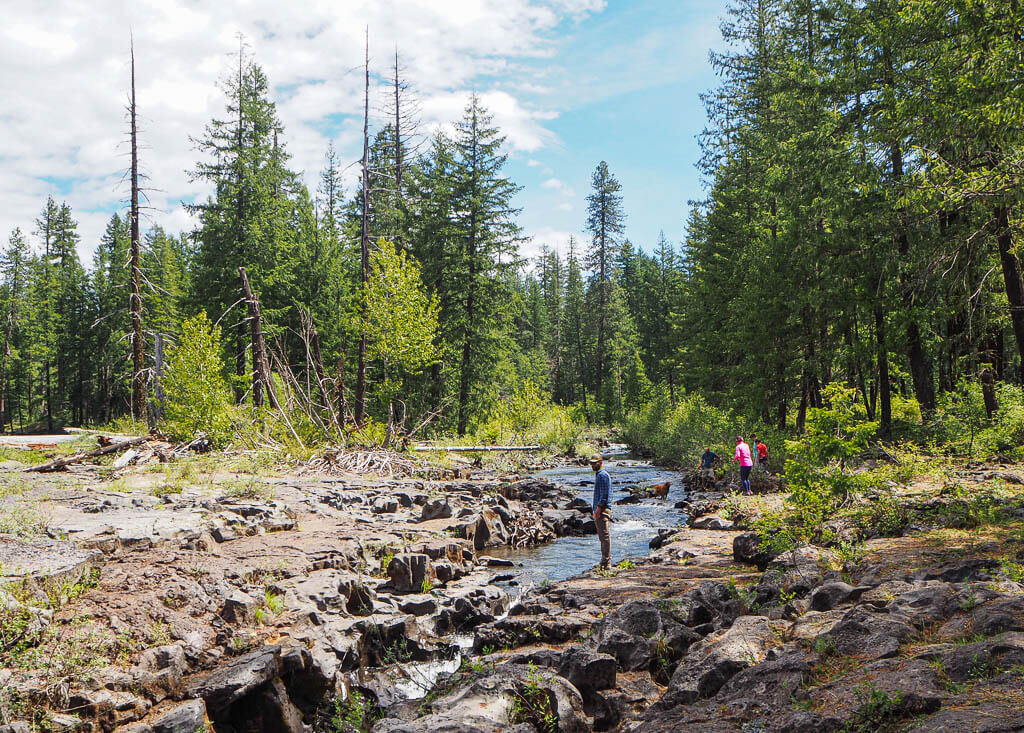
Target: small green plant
<point>22,520</point>
<point>747,595</point>
<point>165,489</point>
<point>532,704</point>
<point>353,714</point>
<point>847,551</point>
<point>1012,570</point>
<point>626,564</point>
<point>385,560</point>
<point>249,488</point>
<point>878,709</point>
<point>824,645</point>
<point>887,516</point>
<point>426,586</point>
<point>274,602</point>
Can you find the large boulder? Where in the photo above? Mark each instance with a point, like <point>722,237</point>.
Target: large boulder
<point>238,678</point>
<point>713,661</point>
<point>866,633</point>
<point>829,595</point>
<point>436,509</point>
<point>642,636</point>
<point>984,658</point>
<point>746,548</point>
<point>509,700</point>
<point>586,669</point>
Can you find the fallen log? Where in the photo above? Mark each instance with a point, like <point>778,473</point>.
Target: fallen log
<point>475,448</point>
<point>61,463</point>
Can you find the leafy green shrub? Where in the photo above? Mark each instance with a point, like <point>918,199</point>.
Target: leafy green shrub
<point>679,433</point>
<point>355,714</point>
<point>527,415</point>
<point>886,517</point>
<point>197,400</point>
<point>878,709</point>
<point>818,463</point>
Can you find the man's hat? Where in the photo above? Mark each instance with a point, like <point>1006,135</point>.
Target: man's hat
<point>596,458</point>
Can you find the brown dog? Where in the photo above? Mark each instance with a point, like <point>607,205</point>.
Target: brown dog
<point>661,490</point>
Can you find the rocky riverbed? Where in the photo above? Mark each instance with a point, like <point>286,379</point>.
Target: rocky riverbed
<point>245,602</point>
<point>351,603</point>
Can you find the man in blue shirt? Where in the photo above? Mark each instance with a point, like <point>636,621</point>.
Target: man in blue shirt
<point>602,495</point>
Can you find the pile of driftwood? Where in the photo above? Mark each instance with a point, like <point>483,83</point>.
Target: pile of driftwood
<point>528,529</point>
<point>380,462</point>
<point>134,452</point>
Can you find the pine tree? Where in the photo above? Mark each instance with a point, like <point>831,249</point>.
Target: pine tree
<point>606,223</point>
<point>248,221</point>
<point>487,236</point>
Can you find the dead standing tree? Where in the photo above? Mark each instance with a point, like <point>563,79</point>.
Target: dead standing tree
<point>261,384</point>
<point>135,265</point>
<point>364,240</point>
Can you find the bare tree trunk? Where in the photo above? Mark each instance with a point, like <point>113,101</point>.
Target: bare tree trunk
<point>1012,279</point>
<point>988,391</point>
<point>12,315</point>
<point>364,240</point>
<point>135,275</point>
<point>261,383</point>
<point>398,134</point>
<point>885,401</point>
<point>239,214</point>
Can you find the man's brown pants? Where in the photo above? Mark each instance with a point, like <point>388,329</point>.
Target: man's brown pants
<point>602,522</point>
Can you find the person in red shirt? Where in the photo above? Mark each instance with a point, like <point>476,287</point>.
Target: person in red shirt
<point>762,454</point>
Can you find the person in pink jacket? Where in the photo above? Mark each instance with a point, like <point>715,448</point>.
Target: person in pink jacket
<point>746,463</point>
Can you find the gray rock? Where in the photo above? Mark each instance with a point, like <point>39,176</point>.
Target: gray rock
<point>185,718</point>
<point>407,571</point>
<point>713,661</point>
<point>236,679</point>
<point>586,669</point>
<point>984,658</point>
<point>746,548</point>
<point>486,705</point>
<point>421,605</point>
<point>171,656</point>
<point>385,505</point>
<point>238,608</point>
<point>436,509</point>
<point>829,595</point>
<point>712,522</point>
<point>639,634</point>
<point>872,635</point>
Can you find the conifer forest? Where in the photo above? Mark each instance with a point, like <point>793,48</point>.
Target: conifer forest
<point>862,220</point>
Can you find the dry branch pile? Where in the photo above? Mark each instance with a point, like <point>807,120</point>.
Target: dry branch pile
<point>380,462</point>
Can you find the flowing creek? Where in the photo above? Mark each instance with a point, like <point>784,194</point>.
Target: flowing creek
<point>633,525</point>
<point>632,528</point>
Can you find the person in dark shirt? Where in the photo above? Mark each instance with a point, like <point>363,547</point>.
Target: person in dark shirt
<point>602,495</point>
<point>707,466</point>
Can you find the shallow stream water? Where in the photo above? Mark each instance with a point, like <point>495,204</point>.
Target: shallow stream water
<point>633,525</point>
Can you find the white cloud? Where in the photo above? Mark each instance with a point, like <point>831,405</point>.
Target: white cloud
<point>556,239</point>
<point>559,186</point>
<point>65,73</point>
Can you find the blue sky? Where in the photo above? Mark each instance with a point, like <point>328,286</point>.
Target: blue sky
<point>632,77</point>
<point>571,82</point>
